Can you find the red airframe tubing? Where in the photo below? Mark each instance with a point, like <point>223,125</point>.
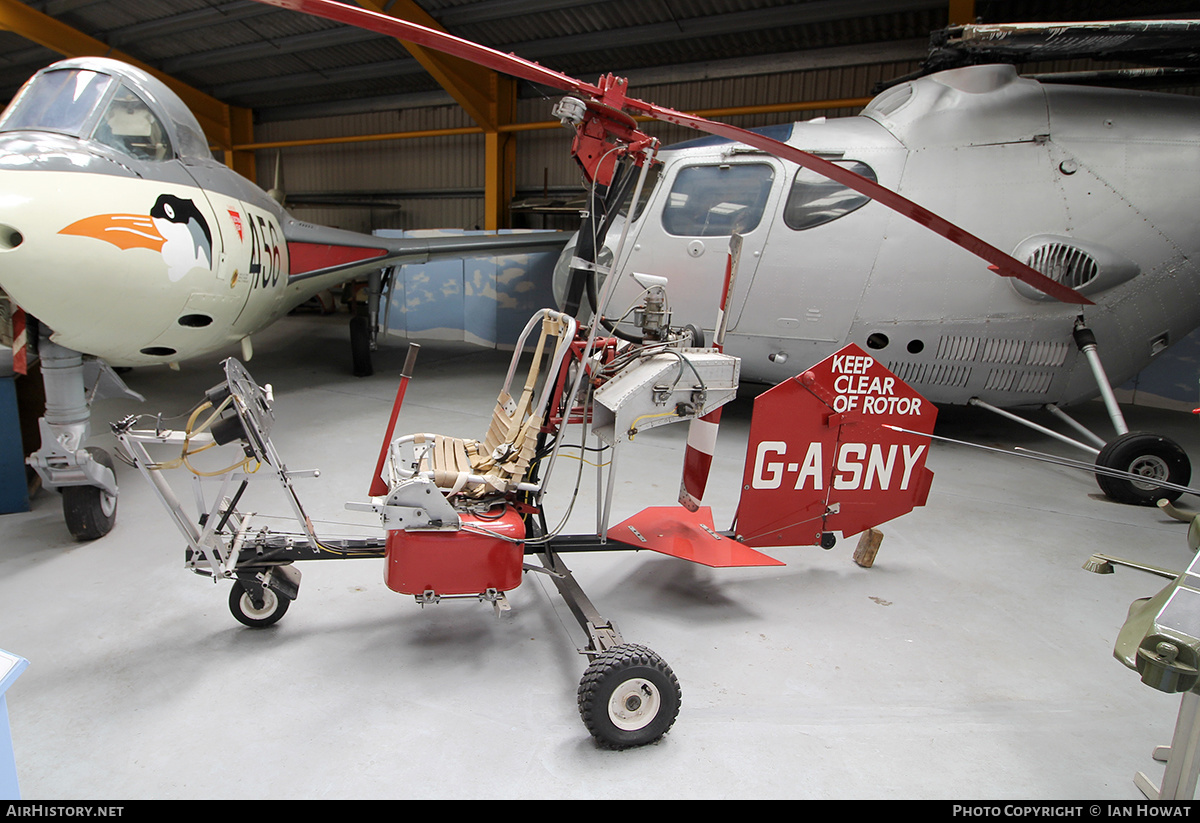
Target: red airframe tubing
<point>378,487</point>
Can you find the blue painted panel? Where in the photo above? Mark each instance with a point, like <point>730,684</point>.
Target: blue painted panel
<point>1175,374</point>
<point>14,491</point>
<point>486,300</point>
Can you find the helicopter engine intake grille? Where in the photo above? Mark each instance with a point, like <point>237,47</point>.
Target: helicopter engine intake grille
<point>1084,266</point>
<point>1066,264</point>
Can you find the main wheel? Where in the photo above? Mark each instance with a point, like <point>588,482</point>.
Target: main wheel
<point>241,605</point>
<point>90,511</point>
<point>1148,455</point>
<point>360,345</point>
<point>628,697</point>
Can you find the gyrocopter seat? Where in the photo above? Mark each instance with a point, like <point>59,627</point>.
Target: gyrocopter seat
<point>450,511</point>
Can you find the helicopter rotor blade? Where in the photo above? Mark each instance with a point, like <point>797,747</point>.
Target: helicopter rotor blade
<point>611,94</point>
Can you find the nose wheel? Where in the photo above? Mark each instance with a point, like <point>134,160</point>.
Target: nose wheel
<point>628,697</point>
<point>256,609</point>
<point>90,511</point>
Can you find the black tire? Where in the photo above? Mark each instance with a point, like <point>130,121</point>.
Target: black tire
<point>89,511</point>
<point>242,607</point>
<point>1150,455</point>
<point>628,697</point>
<point>360,345</point>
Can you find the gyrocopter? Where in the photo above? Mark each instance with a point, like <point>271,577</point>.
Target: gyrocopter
<point>838,448</point>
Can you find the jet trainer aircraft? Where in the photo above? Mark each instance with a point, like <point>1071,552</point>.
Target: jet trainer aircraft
<point>128,242</point>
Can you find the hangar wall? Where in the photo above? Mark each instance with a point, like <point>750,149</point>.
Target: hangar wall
<point>437,181</point>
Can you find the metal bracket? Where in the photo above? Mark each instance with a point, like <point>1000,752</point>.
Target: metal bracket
<point>413,504</point>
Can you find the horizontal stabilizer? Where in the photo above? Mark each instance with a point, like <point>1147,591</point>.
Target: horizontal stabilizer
<point>675,531</point>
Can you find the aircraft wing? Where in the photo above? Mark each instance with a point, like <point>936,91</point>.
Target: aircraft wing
<point>340,255</point>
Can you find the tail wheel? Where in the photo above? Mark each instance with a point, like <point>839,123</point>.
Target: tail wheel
<point>89,511</point>
<point>1151,456</point>
<point>628,697</point>
<point>242,606</point>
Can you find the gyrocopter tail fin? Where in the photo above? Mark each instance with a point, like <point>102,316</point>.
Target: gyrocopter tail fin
<point>823,455</point>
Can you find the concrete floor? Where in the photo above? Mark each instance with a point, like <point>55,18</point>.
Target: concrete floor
<point>972,661</point>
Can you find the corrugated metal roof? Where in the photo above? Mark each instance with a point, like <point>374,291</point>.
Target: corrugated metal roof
<point>268,59</point>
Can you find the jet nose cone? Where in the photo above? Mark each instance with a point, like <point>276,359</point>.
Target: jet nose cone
<point>16,230</point>
<point>10,237</point>
<point>90,275</point>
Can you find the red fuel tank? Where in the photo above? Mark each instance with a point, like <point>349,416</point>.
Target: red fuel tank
<point>487,553</point>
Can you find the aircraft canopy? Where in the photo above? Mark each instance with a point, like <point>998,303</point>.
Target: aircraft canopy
<point>114,104</point>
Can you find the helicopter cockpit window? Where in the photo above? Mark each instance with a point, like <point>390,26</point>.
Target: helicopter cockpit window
<point>129,126</point>
<point>815,200</point>
<point>59,101</point>
<point>709,201</point>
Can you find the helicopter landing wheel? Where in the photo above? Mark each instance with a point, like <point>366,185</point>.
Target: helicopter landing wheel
<point>628,697</point>
<point>241,605</point>
<point>1149,455</point>
<point>89,511</point>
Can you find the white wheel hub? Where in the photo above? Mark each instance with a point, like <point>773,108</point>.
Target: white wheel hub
<point>634,704</point>
<point>270,603</point>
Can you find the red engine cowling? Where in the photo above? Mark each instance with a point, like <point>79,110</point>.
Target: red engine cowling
<point>466,561</point>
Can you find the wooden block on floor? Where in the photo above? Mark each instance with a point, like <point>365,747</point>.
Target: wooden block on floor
<point>868,547</point>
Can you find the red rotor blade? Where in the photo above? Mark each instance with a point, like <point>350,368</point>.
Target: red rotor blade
<point>1002,263</point>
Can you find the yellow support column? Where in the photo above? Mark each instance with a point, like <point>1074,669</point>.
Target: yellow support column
<point>962,12</point>
<point>500,158</point>
<point>241,125</point>
<point>489,98</point>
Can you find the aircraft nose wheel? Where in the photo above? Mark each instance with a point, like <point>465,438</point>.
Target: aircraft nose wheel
<point>90,512</point>
<point>1148,455</point>
<point>242,606</point>
<point>628,697</point>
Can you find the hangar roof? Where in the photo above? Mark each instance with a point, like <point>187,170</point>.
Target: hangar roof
<point>286,65</point>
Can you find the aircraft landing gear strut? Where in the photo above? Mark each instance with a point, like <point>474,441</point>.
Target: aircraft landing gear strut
<point>1127,457</point>
<point>83,475</point>
<point>628,695</point>
<point>364,325</point>
<point>1140,453</point>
